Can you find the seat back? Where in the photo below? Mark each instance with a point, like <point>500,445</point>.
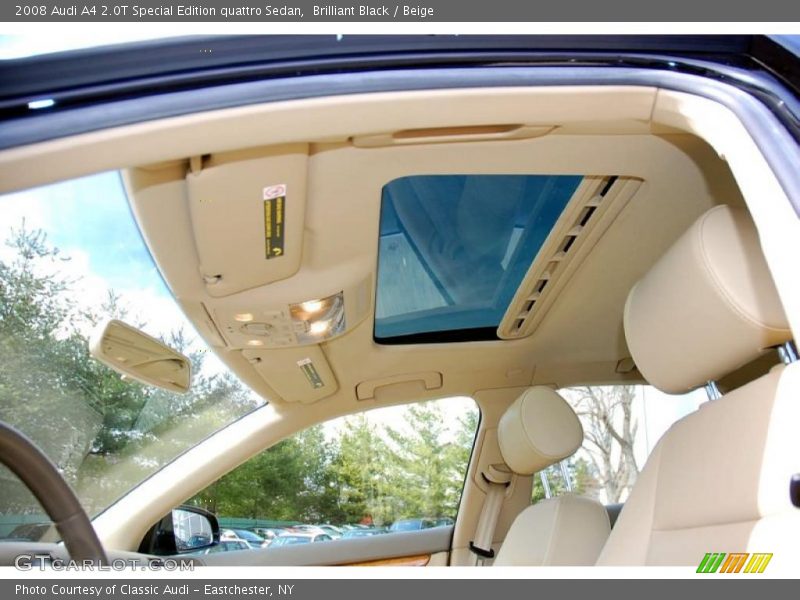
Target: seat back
<point>568,530</point>
<point>538,430</point>
<point>718,480</point>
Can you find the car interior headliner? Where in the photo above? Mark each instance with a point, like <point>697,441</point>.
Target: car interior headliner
<point>195,185</point>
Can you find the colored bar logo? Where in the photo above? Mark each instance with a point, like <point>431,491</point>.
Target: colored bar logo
<point>735,562</point>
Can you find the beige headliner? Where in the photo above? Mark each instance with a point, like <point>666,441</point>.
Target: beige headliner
<point>580,339</point>
<point>587,130</point>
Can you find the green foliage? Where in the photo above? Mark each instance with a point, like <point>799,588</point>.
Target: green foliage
<point>359,473</point>
<point>275,484</point>
<point>424,464</point>
<point>105,433</point>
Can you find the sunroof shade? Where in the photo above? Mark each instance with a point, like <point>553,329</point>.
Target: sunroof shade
<point>454,248</point>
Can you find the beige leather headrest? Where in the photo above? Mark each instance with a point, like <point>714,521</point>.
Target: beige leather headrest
<point>707,307</point>
<point>539,429</point>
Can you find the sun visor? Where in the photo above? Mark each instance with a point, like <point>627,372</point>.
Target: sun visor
<point>247,210</point>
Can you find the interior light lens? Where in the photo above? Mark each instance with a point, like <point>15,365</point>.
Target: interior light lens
<point>318,320</point>
<point>319,327</point>
<point>255,343</point>
<point>243,317</point>
<point>312,306</point>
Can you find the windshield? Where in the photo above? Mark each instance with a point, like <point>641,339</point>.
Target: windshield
<point>71,256</point>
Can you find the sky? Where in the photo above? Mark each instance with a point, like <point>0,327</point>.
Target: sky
<point>90,222</point>
<point>89,215</point>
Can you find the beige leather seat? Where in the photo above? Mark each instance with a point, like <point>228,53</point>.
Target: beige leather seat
<point>718,480</point>
<point>538,430</point>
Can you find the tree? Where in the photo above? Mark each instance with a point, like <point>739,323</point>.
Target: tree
<point>107,433</point>
<point>291,481</point>
<point>465,439</point>
<point>610,430</point>
<point>360,472</point>
<point>428,469</point>
<point>365,474</point>
<point>33,312</point>
<point>103,432</point>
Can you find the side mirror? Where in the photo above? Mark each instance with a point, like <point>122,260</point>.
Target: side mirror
<point>185,529</point>
<point>193,529</point>
<point>137,355</point>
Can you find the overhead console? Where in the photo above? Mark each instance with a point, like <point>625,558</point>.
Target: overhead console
<point>282,325</point>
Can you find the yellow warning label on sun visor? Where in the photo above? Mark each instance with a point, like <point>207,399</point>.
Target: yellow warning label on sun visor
<point>274,220</point>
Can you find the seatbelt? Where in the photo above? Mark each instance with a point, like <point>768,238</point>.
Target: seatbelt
<point>498,478</point>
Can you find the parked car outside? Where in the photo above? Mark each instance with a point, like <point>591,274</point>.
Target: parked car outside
<point>253,539</point>
<point>269,533</point>
<point>331,530</point>
<point>291,539</point>
<point>224,546</point>
<point>315,529</point>
<point>420,523</point>
<point>361,533</point>
<point>243,535</point>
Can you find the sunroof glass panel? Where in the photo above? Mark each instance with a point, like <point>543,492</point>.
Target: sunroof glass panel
<point>454,248</point>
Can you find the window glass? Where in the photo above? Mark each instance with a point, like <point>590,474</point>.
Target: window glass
<point>21,516</point>
<point>454,248</point>
<point>70,257</point>
<point>390,469</point>
<point>622,424</point>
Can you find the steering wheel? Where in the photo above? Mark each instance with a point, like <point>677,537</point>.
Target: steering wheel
<point>35,470</point>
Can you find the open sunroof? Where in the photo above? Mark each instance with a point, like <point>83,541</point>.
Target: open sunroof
<point>454,248</point>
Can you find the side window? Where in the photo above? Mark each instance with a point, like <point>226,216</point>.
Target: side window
<point>622,424</point>
<point>390,469</point>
